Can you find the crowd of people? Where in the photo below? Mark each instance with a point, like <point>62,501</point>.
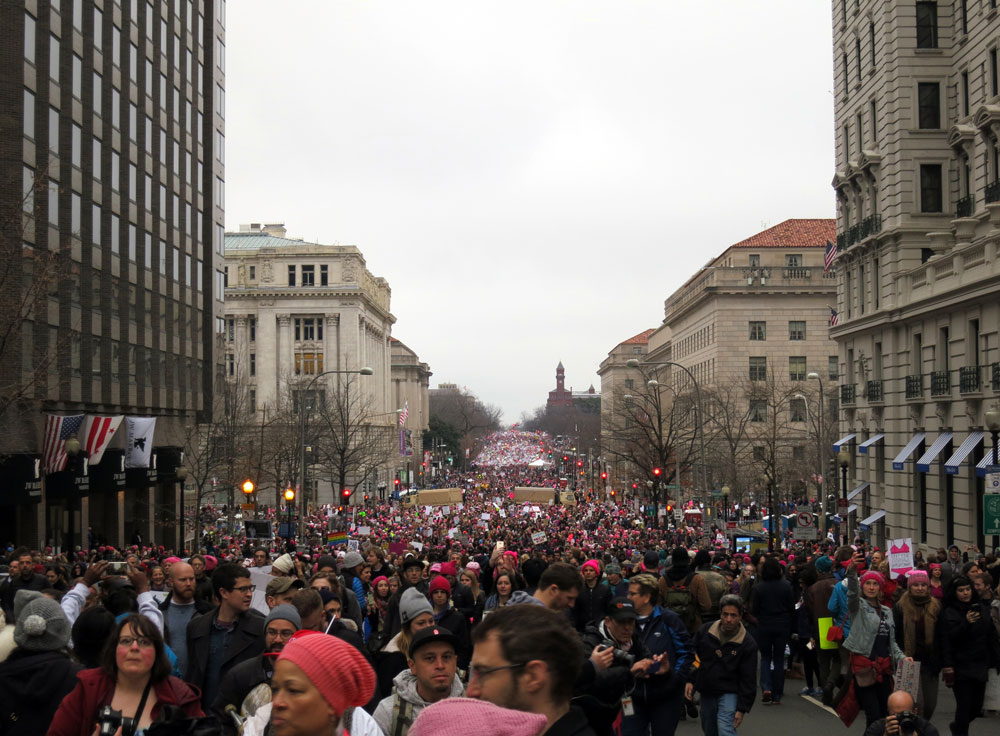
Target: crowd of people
<point>491,616</point>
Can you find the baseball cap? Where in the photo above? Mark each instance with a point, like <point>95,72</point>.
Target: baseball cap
<point>620,608</point>
<point>431,634</point>
<point>278,586</point>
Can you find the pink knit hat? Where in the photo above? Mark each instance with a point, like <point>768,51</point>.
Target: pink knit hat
<point>440,583</point>
<point>338,670</point>
<point>592,563</point>
<point>872,575</point>
<point>917,576</point>
<point>461,716</point>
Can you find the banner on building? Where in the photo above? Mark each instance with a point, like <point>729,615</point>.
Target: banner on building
<point>97,435</point>
<point>406,442</point>
<point>139,441</point>
<point>57,431</point>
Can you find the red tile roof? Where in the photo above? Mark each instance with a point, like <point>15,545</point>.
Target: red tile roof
<point>794,234</point>
<point>641,339</point>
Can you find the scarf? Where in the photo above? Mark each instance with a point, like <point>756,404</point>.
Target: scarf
<point>914,610</point>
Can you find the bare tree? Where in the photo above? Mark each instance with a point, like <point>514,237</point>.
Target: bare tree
<point>727,420</point>
<point>470,417</point>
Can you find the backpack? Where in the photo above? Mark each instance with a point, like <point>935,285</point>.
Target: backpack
<point>679,600</point>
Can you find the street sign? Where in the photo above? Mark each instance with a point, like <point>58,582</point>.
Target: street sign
<point>716,493</point>
<point>993,479</point>
<point>991,513</point>
<point>842,506</point>
<point>730,525</point>
<point>248,506</point>
<point>805,523</point>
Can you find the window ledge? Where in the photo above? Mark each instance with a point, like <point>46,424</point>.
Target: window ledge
<point>929,52</point>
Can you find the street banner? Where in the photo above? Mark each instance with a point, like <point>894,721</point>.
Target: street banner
<point>139,441</point>
<point>900,557</point>
<point>97,435</point>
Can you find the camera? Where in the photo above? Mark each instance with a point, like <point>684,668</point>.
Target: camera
<point>619,657</point>
<point>111,720</point>
<point>117,568</point>
<point>907,721</point>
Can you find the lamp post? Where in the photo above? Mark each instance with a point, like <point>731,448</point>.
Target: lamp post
<point>633,363</point>
<point>993,424</point>
<point>725,503</point>
<point>289,501</point>
<point>73,452</point>
<point>366,371</point>
<point>820,431</point>
<point>181,473</point>
<point>844,458</point>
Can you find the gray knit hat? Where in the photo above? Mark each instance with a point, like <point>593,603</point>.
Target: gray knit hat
<point>411,604</point>
<point>22,598</point>
<point>42,626</point>
<point>285,612</point>
<point>352,559</point>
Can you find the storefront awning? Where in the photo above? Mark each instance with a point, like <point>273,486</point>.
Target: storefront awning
<point>877,516</point>
<point>965,449</point>
<point>863,447</point>
<point>860,489</point>
<point>843,441</point>
<point>900,460</point>
<point>984,463</point>
<point>942,441</point>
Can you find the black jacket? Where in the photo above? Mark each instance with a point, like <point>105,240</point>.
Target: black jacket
<point>591,605</point>
<point>725,668</point>
<point>14,584</point>
<point>236,685</point>
<point>924,727</point>
<point>393,624</point>
<point>601,701</point>
<point>455,622</point>
<point>246,642</point>
<point>32,685</point>
<point>574,723</point>
<point>772,603</point>
<point>970,648</point>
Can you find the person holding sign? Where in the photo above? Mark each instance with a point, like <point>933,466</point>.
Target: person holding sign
<point>916,616</point>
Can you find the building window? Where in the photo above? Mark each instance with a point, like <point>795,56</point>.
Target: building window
<point>793,260</point>
<point>965,92</point>
<point>928,105</point>
<point>629,383</point>
<point>964,14</point>
<point>758,411</point>
<point>871,40</point>
<point>857,54</point>
<point>758,369</point>
<point>927,25</point>
<point>308,364</point>
<point>252,325</point>
<point>253,273</point>
<point>797,410</point>
<point>324,275</point>
<point>291,275</point>
<point>758,330</point>
<point>797,367</point>
<point>225,276</point>
<point>930,188</point>
<point>230,364</point>
<point>797,330</point>
<point>873,113</point>
<point>308,275</point>
<point>253,364</point>
<point>54,58</point>
<point>29,38</point>
<point>754,260</point>
<point>847,79</point>
<point>994,81</point>
<point>308,328</point>
<point>230,330</point>
<point>253,401</point>
<point>833,369</point>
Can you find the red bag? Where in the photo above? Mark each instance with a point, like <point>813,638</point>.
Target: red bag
<point>835,633</point>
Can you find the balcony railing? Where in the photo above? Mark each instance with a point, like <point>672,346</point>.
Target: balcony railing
<point>992,192</point>
<point>996,376</point>
<point>965,206</point>
<point>874,390</point>
<point>871,225</point>
<point>853,235</point>
<point>940,383</point>
<point>847,393</point>
<point>914,386</point>
<point>797,273</point>
<point>968,379</point>
<point>841,241</point>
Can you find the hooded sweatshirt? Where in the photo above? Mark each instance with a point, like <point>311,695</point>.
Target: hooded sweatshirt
<point>404,687</point>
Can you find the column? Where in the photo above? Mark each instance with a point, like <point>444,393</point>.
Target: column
<point>284,349</point>
<point>331,338</point>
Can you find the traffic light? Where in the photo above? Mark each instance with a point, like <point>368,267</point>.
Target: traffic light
<point>565,458</point>
<point>604,476</point>
<point>612,493</point>
<point>579,463</point>
<point>669,508</point>
<point>346,493</point>
<point>248,486</point>
<point>635,486</point>
<point>289,495</point>
<point>657,471</point>
<point>396,482</point>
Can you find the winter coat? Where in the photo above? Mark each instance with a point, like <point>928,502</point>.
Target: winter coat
<point>32,684</point>
<point>602,700</point>
<point>452,620</point>
<point>725,668</point>
<point>865,621</point>
<point>816,597</point>
<point>591,605</point>
<point>77,714</point>
<point>245,642</point>
<point>407,701</point>
<point>773,604</point>
<point>235,686</point>
<point>665,633</point>
<point>969,648</point>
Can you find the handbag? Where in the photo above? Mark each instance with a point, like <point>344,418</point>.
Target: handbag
<point>835,634</point>
<point>865,677</point>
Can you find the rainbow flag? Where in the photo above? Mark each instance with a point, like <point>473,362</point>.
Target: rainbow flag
<point>336,538</point>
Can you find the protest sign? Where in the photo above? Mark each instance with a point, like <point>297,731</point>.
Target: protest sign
<point>538,538</point>
<point>900,556</point>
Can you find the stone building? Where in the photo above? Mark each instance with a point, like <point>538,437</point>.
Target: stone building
<point>410,384</point>
<point>112,135</point>
<point>917,184</point>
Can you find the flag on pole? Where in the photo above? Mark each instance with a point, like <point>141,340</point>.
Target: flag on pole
<point>98,433</point>
<point>829,256</point>
<point>139,441</point>
<point>834,317</point>
<point>405,413</point>
<point>57,431</point>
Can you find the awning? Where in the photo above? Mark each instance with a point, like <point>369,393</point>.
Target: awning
<point>877,516</point>
<point>852,508</point>
<point>942,441</point>
<point>863,447</point>
<point>857,490</point>
<point>911,446</point>
<point>984,463</point>
<point>843,441</point>
<point>969,444</point>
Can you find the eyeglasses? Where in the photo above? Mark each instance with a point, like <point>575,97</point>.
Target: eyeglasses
<point>285,634</point>
<point>477,673</point>
<point>245,589</point>
<point>128,641</point>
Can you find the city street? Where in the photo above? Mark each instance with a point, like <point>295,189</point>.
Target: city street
<point>805,715</point>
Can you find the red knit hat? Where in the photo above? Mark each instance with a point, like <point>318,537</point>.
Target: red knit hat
<point>338,670</point>
<point>872,575</point>
<point>440,583</point>
<point>461,716</point>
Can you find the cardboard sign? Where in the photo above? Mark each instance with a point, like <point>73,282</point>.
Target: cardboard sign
<point>419,546</point>
<point>900,556</point>
<point>352,545</point>
<point>364,531</point>
<point>908,678</point>
<point>484,516</point>
<point>538,538</point>
<point>503,514</point>
<point>396,548</point>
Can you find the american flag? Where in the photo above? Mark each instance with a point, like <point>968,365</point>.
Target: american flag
<point>834,317</point>
<point>829,256</point>
<point>57,431</point>
<point>405,413</point>
<point>98,433</point>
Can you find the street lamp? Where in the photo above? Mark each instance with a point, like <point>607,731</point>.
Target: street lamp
<point>820,431</point>
<point>181,473</point>
<point>844,458</point>
<point>365,371</point>
<point>72,451</point>
<point>289,501</point>
<point>993,424</point>
<point>634,363</point>
<point>725,503</point>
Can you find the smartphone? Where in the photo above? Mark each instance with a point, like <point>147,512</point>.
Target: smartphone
<point>501,546</point>
<point>117,568</point>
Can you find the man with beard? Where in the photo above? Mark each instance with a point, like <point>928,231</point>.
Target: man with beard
<point>23,578</point>
<point>433,663</point>
<point>243,679</point>
<point>178,609</point>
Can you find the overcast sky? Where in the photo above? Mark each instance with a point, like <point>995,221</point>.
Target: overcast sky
<point>533,178</point>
